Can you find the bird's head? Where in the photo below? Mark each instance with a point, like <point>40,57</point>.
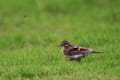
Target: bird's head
<point>65,43</point>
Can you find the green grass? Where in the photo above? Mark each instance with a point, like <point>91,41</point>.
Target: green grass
<point>30,31</point>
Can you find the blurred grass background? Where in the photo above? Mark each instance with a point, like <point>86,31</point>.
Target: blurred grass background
<point>30,30</point>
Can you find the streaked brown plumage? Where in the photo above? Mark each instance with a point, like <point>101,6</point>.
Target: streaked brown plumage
<point>75,52</point>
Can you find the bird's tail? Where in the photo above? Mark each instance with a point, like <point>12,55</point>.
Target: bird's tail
<point>96,52</point>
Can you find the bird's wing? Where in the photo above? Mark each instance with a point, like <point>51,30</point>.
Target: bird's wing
<point>85,50</point>
<point>73,48</point>
<point>76,50</point>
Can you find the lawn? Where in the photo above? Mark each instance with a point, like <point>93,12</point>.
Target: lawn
<point>30,31</point>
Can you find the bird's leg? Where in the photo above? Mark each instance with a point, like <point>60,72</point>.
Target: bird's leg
<point>71,59</point>
<point>79,60</point>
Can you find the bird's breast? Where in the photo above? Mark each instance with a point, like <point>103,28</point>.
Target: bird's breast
<point>66,52</point>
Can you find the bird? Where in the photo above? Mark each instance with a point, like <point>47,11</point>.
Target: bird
<point>74,52</point>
